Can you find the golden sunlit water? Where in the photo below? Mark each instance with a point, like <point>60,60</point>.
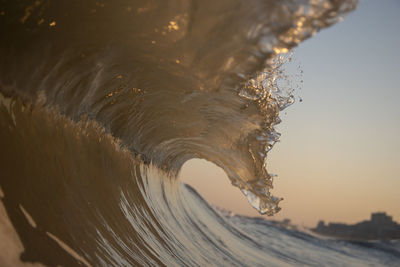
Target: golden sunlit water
<point>102,102</point>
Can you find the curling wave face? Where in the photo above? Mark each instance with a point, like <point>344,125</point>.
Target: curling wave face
<point>104,101</point>
<point>78,197</point>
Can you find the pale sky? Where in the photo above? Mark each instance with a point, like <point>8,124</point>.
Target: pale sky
<point>339,155</point>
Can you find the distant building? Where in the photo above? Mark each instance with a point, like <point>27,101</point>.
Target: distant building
<point>380,226</point>
<point>381,218</point>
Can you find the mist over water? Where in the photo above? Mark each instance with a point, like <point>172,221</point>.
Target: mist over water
<point>102,102</point>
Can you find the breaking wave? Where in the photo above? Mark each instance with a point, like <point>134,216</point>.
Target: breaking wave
<point>102,102</point>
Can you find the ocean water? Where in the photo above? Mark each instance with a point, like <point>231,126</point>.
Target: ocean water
<point>102,102</point>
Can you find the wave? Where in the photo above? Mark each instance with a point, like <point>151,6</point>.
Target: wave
<point>78,197</point>
<point>102,102</point>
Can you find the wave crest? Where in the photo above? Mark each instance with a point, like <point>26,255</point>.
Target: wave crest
<point>172,80</point>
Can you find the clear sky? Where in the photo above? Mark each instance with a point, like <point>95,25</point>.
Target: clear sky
<point>339,155</point>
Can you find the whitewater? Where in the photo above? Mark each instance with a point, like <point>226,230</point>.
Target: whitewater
<point>102,102</point>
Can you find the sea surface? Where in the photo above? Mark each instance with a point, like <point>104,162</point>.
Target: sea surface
<point>102,102</point>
